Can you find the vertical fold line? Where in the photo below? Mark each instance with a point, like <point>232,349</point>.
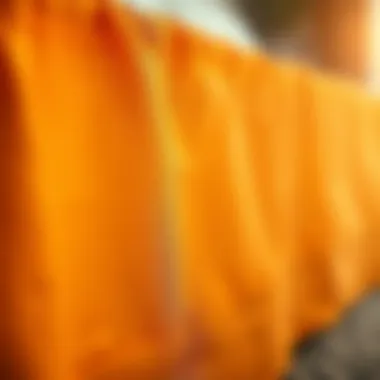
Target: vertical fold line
<point>170,155</point>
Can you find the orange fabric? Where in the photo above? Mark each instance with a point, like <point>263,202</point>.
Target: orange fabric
<point>118,131</point>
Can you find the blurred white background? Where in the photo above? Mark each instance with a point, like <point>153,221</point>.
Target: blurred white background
<point>219,17</point>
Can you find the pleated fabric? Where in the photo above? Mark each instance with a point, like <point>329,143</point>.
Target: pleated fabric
<point>172,206</point>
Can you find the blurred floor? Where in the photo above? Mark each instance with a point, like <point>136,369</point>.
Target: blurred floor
<point>350,350</point>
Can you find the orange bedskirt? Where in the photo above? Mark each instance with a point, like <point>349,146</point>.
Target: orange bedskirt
<point>158,184</point>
